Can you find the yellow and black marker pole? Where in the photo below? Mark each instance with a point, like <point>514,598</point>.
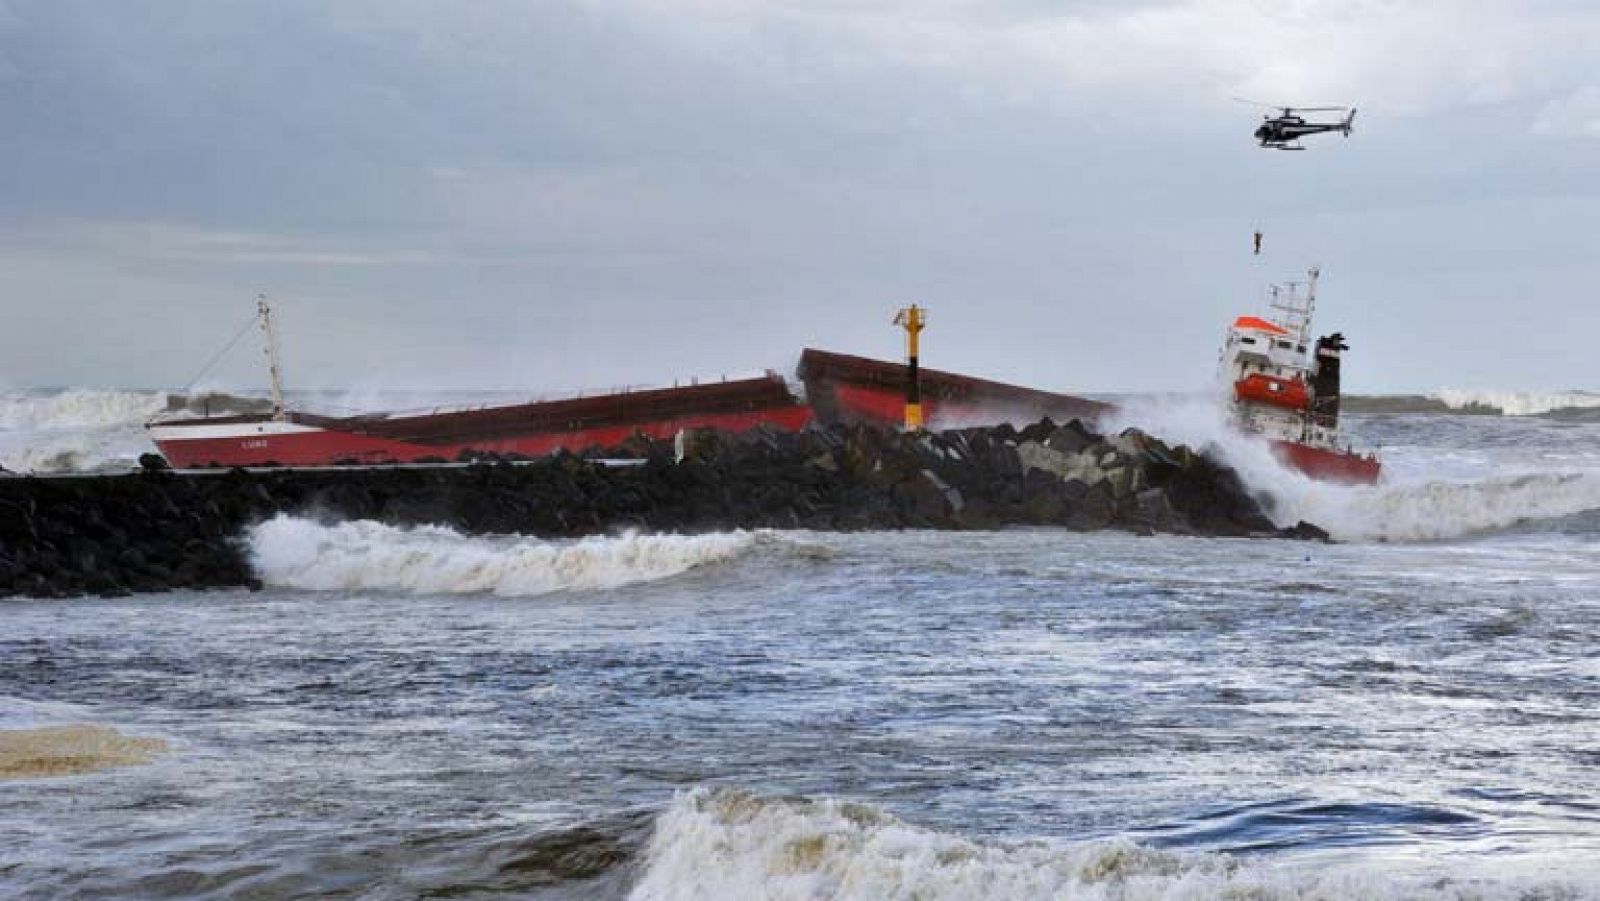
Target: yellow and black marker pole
<point>912,319</point>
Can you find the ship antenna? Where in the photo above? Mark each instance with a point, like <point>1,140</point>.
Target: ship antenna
<point>1295,310</point>
<point>264,312</point>
<point>1311,301</point>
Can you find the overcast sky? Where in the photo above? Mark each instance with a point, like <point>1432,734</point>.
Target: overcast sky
<point>552,194</point>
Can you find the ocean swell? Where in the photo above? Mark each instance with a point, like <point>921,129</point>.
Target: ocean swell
<point>1437,510</point>
<point>1516,403</point>
<point>727,843</point>
<point>368,556</point>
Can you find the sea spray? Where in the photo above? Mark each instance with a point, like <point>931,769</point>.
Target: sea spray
<point>1517,403</point>
<point>300,553</point>
<point>730,843</point>
<point>78,408</point>
<point>75,430</point>
<point>1426,493</point>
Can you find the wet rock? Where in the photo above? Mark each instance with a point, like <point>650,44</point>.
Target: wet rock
<point>1121,480</point>
<point>1072,438</point>
<point>1306,531</point>
<point>954,503</point>
<point>1095,510</point>
<point>1038,432</point>
<point>1084,467</point>
<point>825,462</point>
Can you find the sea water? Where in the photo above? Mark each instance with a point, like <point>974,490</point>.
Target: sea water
<point>1411,712</point>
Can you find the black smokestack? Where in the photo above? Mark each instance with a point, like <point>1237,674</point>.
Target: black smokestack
<point>1325,382</point>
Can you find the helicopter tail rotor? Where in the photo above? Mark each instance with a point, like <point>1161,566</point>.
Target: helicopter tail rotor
<point>1348,120</point>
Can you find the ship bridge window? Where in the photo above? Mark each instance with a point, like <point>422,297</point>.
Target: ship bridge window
<point>1247,340</point>
<point>1285,345</point>
<point>1299,348</point>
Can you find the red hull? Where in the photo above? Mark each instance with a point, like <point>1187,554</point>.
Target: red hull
<point>1325,465</point>
<point>850,389</point>
<point>329,446</point>
<point>841,388</point>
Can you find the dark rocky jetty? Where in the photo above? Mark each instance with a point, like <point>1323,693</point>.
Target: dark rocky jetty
<point>158,531</point>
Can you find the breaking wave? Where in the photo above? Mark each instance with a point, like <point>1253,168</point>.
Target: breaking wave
<point>1517,403</point>
<point>78,408</point>
<point>63,451</point>
<point>726,843</point>
<point>78,430</point>
<point>1431,511</point>
<point>370,556</point>
<point>1410,503</point>
<point>87,430</point>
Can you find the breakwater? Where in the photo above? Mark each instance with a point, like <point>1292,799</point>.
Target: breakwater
<point>159,531</point>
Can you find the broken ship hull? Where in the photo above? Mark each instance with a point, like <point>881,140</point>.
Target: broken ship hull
<point>839,388</point>
<point>850,389</point>
<point>529,430</point>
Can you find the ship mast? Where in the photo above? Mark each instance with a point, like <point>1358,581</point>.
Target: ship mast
<point>264,313</point>
<point>1311,302</point>
<point>1297,313</point>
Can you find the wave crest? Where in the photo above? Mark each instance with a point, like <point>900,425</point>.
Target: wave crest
<point>1516,403</point>
<point>727,843</point>
<point>369,556</point>
<point>1434,511</point>
<point>79,408</point>
<point>90,430</point>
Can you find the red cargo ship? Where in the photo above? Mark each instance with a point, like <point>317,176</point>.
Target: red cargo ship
<point>292,438</point>
<point>849,389</point>
<point>838,388</point>
<point>1278,390</point>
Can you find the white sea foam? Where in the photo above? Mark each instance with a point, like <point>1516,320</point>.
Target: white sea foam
<point>78,408</point>
<point>1410,503</point>
<point>726,843</point>
<point>52,452</point>
<point>78,429</point>
<point>369,556</point>
<point>1429,511</point>
<point>1517,403</point>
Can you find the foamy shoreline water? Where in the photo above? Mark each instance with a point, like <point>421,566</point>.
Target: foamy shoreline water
<point>729,843</point>
<point>366,556</point>
<point>68,750</point>
<point>880,715</point>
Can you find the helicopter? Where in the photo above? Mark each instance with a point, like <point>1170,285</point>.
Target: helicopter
<point>1284,131</point>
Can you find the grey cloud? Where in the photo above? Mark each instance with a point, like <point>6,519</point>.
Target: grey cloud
<point>567,193</point>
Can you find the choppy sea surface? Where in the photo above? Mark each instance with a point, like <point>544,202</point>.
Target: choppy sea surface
<point>1413,712</point>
